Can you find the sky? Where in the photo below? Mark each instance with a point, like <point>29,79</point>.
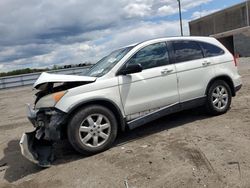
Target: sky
<point>39,34</point>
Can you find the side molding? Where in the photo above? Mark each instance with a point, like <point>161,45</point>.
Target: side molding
<point>177,107</point>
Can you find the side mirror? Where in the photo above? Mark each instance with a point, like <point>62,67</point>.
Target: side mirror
<point>130,69</point>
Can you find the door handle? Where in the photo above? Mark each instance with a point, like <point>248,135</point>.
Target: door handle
<point>206,63</point>
<point>167,71</point>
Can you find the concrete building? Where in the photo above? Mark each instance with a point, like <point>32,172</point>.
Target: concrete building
<point>230,26</point>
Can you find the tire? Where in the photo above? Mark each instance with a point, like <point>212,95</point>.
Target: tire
<point>219,98</point>
<point>92,129</point>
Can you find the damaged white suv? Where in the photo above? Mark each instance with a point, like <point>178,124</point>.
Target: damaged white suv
<point>128,88</point>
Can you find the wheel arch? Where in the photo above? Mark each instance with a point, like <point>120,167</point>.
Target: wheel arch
<point>225,78</point>
<point>102,102</point>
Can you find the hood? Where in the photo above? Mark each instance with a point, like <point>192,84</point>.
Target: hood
<point>46,78</point>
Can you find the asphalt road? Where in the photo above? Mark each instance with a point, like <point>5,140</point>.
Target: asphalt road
<point>187,149</point>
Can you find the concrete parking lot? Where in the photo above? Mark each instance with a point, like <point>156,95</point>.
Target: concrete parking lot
<point>187,149</point>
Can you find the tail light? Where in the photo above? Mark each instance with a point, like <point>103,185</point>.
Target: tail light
<point>236,57</point>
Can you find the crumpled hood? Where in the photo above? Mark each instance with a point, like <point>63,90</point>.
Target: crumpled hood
<point>45,78</point>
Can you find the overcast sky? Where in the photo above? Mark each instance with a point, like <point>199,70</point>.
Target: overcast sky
<point>41,33</point>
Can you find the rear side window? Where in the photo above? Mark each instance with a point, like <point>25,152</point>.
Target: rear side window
<point>186,51</point>
<point>211,50</point>
<point>153,55</point>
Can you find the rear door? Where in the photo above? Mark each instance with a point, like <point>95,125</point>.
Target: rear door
<point>194,70</point>
<point>154,87</point>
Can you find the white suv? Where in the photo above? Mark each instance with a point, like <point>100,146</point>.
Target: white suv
<point>128,88</point>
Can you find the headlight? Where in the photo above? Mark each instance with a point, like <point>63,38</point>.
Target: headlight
<point>50,100</point>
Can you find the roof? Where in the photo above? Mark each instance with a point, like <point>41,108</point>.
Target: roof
<point>169,38</point>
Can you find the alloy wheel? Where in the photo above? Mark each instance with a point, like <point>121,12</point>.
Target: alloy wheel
<point>220,97</point>
<point>95,130</point>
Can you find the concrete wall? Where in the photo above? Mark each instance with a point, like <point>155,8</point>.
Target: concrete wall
<point>242,45</point>
<point>229,20</point>
<point>225,20</point>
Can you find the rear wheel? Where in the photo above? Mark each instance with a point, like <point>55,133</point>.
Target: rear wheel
<point>218,98</point>
<point>92,129</point>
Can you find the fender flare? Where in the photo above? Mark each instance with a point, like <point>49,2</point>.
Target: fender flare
<point>106,103</point>
<point>225,78</point>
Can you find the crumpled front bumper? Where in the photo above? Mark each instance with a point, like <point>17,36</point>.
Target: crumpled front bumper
<point>31,114</point>
<point>37,146</point>
<point>26,147</point>
<point>38,152</point>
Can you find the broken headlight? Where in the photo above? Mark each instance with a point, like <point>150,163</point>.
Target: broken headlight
<point>49,100</point>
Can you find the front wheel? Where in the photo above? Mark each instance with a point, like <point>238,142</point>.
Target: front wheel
<point>92,129</point>
<point>218,98</point>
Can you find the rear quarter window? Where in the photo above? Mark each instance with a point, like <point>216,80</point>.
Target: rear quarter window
<point>211,50</point>
<point>186,51</point>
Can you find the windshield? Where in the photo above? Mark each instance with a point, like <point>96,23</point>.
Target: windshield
<point>107,63</point>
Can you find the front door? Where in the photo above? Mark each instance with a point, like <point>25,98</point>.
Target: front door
<point>154,87</point>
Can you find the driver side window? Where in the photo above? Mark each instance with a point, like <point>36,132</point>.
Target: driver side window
<point>154,55</point>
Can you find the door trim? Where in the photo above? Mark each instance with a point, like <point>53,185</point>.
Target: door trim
<point>173,108</point>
